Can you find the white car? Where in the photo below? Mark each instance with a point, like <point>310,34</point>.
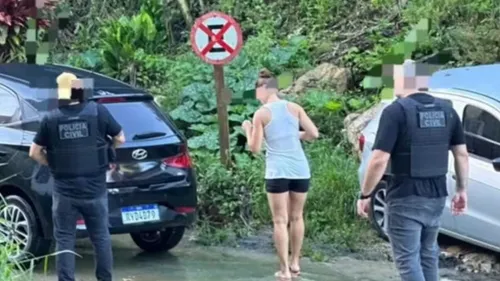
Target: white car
<point>475,95</point>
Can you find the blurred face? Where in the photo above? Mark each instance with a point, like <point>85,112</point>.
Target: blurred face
<point>407,85</point>
<point>77,84</point>
<point>399,83</point>
<point>77,91</point>
<point>261,94</point>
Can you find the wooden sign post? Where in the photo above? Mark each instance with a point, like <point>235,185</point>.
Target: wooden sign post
<point>217,39</point>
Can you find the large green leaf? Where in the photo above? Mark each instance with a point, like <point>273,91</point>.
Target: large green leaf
<point>199,128</point>
<point>207,119</point>
<point>198,91</point>
<point>237,118</point>
<point>208,140</point>
<point>281,55</point>
<point>186,113</point>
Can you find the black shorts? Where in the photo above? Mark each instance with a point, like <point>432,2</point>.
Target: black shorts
<point>285,185</point>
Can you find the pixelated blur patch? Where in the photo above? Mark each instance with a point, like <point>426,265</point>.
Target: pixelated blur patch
<point>387,93</point>
<point>43,52</point>
<point>242,97</point>
<point>63,16</point>
<point>285,80</point>
<point>372,82</point>
<point>419,32</point>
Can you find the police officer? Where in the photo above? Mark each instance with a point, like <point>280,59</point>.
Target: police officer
<point>415,133</point>
<point>71,140</point>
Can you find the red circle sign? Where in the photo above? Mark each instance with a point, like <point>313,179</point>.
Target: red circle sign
<point>216,38</point>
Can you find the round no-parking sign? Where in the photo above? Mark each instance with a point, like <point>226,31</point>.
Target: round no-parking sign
<point>216,38</point>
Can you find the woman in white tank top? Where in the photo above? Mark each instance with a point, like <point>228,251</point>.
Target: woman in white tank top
<point>287,169</point>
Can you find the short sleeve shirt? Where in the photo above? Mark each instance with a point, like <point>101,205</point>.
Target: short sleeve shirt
<point>391,127</point>
<point>80,187</point>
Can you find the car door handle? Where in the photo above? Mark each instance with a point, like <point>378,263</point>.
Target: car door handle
<point>3,153</point>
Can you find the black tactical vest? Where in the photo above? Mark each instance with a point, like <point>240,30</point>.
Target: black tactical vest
<point>427,139</point>
<point>76,147</point>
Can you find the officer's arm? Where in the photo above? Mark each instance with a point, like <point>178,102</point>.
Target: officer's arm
<point>119,139</point>
<point>385,141</point>
<point>461,156</point>
<point>37,153</point>
<point>461,165</point>
<point>375,170</point>
<point>37,149</point>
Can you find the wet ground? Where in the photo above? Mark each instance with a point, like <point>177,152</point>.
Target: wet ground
<point>190,262</point>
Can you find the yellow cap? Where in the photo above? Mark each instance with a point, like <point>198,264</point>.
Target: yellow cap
<point>64,82</point>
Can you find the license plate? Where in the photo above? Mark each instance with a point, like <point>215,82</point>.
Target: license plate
<point>140,214</point>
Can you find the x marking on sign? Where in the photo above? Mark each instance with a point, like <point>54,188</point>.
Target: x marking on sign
<point>216,38</point>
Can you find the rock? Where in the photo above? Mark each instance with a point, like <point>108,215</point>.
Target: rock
<point>453,251</point>
<point>325,75</point>
<point>471,260</point>
<point>354,123</point>
<point>479,262</point>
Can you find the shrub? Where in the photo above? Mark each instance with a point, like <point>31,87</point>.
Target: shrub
<point>236,198</point>
<point>330,213</point>
<point>225,196</point>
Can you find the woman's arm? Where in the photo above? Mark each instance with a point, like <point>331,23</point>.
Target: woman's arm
<point>310,131</point>
<point>305,136</point>
<point>255,133</point>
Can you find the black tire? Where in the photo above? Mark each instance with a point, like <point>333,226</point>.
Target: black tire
<point>37,245</point>
<point>377,211</point>
<point>160,240</point>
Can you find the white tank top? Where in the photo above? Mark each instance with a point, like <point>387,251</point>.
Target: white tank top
<point>285,158</point>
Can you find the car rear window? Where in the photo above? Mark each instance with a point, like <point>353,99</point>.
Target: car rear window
<point>139,118</point>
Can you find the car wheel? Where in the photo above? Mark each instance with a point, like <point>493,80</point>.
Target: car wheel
<point>20,228</point>
<point>160,240</point>
<point>378,210</point>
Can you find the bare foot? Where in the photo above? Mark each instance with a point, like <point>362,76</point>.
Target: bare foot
<point>283,276</point>
<point>295,271</point>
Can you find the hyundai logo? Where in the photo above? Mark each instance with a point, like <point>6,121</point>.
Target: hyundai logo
<point>139,154</point>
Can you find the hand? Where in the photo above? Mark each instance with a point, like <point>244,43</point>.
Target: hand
<point>363,207</point>
<point>459,203</point>
<point>246,125</point>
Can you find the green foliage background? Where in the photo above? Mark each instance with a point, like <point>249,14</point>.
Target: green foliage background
<point>145,43</point>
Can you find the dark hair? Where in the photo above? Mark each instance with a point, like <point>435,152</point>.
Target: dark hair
<point>266,78</point>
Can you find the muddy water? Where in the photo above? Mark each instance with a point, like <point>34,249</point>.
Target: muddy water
<point>189,262</point>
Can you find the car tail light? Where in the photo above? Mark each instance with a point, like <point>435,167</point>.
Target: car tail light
<point>361,142</point>
<point>184,210</point>
<point>111,100</point>
<point>182,160</point>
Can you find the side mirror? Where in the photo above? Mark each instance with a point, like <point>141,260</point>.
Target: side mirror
<point>496,164</point>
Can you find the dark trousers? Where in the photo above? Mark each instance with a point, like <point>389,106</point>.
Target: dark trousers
<point>95,213</point>
<point>413,226</point>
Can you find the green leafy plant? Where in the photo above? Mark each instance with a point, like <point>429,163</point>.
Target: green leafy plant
<point>328,110</point>
<point>197,114</point>
<point>225,196</point>
<point>124,41</point>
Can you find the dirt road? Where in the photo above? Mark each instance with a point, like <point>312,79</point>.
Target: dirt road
<point>190,262</point>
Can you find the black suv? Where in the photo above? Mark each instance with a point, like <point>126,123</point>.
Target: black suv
<point>151,185</point>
